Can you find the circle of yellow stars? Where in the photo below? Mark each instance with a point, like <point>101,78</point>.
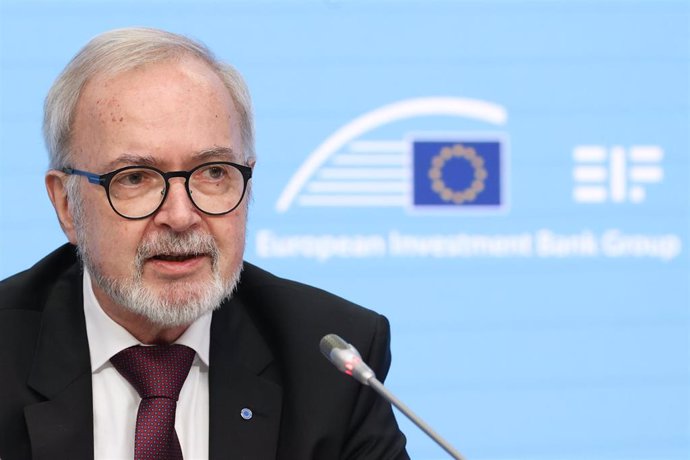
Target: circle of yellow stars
<point>438,184</point>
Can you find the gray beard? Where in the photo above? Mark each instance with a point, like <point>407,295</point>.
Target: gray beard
<point>179,303</point>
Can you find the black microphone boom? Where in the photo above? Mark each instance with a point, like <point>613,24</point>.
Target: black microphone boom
<point>348,360</point>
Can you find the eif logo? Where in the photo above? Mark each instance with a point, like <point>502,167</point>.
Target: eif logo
<point>616,174</point>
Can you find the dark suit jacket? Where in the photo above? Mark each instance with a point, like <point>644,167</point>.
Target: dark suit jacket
<point>264,356</point>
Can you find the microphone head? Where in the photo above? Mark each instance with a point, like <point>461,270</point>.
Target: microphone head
<point>345,357</point>
<point>331,342</point>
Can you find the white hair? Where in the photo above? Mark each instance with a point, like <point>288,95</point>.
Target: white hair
<point>121,50</point>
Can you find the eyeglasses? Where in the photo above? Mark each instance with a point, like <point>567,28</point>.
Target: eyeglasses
<point>136,192</point>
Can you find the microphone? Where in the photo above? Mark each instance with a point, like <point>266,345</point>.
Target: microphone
<point>348,360</point>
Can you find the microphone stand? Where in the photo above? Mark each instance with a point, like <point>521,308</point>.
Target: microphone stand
<point>374,383</point>
<point>348,360</point>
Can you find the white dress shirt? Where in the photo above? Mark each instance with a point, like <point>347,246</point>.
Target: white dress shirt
<point>115,401</point>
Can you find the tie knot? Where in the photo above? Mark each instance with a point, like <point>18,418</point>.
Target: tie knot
<point>157,371</point>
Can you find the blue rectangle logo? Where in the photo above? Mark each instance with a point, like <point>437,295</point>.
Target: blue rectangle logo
<point>457,173</point>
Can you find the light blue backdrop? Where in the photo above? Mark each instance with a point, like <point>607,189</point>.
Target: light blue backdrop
<point>548,328</point>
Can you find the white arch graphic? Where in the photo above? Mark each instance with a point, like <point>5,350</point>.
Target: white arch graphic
<point>428,106</point>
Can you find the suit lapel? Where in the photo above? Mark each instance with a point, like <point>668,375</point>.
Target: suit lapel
<point>238,380</point>
<point>62,426</point>
<point>242,376</point>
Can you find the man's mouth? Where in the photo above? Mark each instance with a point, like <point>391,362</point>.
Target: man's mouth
<point>175,257</point>
<point>177,265</point>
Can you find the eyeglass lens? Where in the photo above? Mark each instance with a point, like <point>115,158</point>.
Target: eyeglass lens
<point>214,188</point>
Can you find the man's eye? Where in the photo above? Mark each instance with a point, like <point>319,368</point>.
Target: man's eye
<point>215,172</point>
<point>133,178</point>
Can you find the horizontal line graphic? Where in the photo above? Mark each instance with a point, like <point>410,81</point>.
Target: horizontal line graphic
<point>590,173</point>
<point>370,160</point>
<point>648,174</point>
<point>379,146</point>
<point>646,153</point>
<point>324,187</point>
<point>589,153</point>
<point>364,173</point>
<point>591,194</point>
<point>352,200</point>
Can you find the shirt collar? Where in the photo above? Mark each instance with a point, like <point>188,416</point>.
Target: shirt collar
<point>107,338</point>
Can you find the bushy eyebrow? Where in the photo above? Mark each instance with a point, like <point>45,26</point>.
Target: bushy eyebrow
<point>127,159</point>
<point>214,153</point>
<point>226,153</point>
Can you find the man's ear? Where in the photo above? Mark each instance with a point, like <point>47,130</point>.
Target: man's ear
<point>55,185</point>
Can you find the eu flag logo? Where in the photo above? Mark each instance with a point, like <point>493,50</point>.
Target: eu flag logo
<point>456,173</point>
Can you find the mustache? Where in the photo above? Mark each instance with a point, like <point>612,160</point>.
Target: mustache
<point>169,243</point>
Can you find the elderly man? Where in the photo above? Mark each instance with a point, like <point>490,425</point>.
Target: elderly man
<point>147,336</point>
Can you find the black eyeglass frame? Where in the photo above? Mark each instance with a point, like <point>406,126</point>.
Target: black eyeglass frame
<point>105,179</point>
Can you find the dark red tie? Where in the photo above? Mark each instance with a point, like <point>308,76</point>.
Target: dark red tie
<point>157,373</point>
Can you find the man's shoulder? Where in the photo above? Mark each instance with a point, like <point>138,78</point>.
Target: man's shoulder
<point>27,289</point>
<point>292,297</point>
<point>295,316</point>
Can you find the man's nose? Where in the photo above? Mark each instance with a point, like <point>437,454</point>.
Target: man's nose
<point>177,212</point>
